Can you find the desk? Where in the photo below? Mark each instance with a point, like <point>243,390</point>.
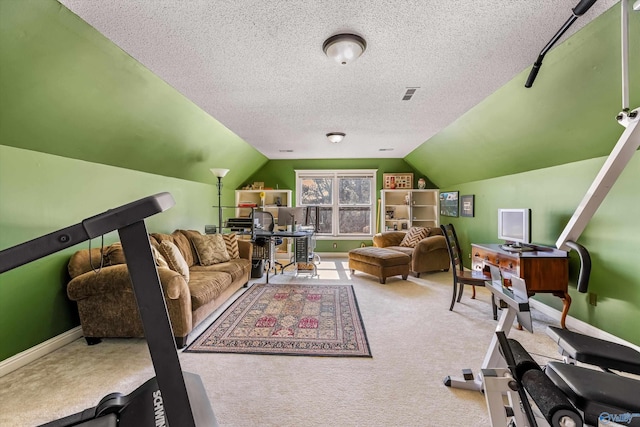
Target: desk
<point>545,270</point>
<point>271,237</point>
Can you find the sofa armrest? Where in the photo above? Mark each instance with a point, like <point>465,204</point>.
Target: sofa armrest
<point>115,280</point>
<point>431,243</point>
<point>388,238</point>
<point>245,248</point>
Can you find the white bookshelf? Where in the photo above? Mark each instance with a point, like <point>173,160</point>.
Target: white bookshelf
<point>402,209</point>
<point>273,199</point>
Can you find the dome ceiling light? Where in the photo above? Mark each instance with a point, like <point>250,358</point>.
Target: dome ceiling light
<point>335,137</point>
<point>344,48</point>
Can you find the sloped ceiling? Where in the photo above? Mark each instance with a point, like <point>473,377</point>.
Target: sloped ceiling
<point>258,66</point>
<point>567,116</point>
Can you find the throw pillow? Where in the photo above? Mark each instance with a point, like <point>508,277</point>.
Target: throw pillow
<point>174,258</point>
<point>157,256</point>
<point>114,254</point>
<point>211,249</point>
<point>231,241</point>
<point>413,236</point>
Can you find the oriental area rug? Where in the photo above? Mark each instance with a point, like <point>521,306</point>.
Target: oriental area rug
<point>288,319</point>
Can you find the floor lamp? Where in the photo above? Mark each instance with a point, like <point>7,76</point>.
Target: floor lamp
<point>219,173</point>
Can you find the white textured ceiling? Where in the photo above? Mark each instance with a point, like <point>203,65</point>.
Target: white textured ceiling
<point>258,67</point>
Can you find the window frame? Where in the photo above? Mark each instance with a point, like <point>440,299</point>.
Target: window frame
<point>335,175</point>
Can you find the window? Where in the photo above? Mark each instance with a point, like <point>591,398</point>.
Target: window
<point>341,202</point>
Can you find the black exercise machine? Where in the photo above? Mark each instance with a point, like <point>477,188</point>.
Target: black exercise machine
<point>564,394</point>
<point>564,391</point>
<point>172,398</point>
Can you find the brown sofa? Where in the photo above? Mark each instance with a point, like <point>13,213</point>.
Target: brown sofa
<point>429,254</point>
<point>105,299</point>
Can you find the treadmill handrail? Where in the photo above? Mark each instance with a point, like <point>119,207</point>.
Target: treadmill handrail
<point>97,225</point>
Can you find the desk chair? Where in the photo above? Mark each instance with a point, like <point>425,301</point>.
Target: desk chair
<point>263,220</point>
<point>461,276</point>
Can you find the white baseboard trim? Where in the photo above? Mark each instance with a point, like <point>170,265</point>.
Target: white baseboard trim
<point>40,350</point>
<point>333,254</point>
<point>578,325</point>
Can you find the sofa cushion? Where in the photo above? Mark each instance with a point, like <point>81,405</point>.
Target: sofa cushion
<point>237,268</point>
<point>184,244</point>
<point>114,254</point>
<point>206,286</point>
<point>231,240</point>
<point>404,249</point>
<point>211,249</point>
<point>174,258</point>
<point>413,236</point>
<point>435,231</point>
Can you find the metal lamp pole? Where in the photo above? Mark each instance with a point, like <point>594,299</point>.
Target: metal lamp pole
<point>219,173</point>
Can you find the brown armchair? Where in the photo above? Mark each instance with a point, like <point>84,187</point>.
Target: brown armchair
<point>429,254</point>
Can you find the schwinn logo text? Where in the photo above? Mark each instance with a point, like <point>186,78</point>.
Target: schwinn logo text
<point>158,409</point>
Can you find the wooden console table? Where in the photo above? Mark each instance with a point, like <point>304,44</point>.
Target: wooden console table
<point>544,270</point>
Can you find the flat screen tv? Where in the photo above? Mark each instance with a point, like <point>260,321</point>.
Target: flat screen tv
<point>514,227</point>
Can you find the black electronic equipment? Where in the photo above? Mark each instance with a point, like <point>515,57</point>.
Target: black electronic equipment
<point>240,224</point>
<point>170,398</point>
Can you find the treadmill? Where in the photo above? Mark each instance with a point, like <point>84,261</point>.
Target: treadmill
<point>171,398</point>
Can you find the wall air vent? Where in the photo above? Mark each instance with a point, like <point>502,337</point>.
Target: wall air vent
<point>409,93</point>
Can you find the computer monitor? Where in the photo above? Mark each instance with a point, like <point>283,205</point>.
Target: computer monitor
<point>290,216</point>
<point>514,226</point>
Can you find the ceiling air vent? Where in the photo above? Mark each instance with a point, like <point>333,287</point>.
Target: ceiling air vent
<point>409,93</point>
<point>286,151</point>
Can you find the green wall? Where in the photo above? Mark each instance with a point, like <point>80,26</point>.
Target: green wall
<point>42,193</point>
<point>68,90</point>
<point>282,173</point>
<point>611,237</point>
<point>83,128</point>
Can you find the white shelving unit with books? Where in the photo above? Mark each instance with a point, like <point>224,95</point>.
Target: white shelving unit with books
<point>402,209</point>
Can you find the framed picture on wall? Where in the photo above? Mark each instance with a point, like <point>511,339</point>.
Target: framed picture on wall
<point>449,203</point>
<point>466,205</point>
<point>392,181</point>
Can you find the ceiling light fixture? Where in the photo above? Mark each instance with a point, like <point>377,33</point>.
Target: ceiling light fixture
<point>335,137</point>
<point>344,48</point>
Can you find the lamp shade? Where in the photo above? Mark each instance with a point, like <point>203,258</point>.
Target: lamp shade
<point>335,137</point>
<point>344,48</point>
<point>220,173</point>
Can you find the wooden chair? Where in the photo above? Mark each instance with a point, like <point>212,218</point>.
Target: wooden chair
<point>461,276</point>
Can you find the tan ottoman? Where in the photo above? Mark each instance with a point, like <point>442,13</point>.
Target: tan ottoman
<point>379,262</point>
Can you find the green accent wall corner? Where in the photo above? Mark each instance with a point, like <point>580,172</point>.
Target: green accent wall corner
<point>68,90</point>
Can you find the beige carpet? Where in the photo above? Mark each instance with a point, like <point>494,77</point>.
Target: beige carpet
<point>415,341</point>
